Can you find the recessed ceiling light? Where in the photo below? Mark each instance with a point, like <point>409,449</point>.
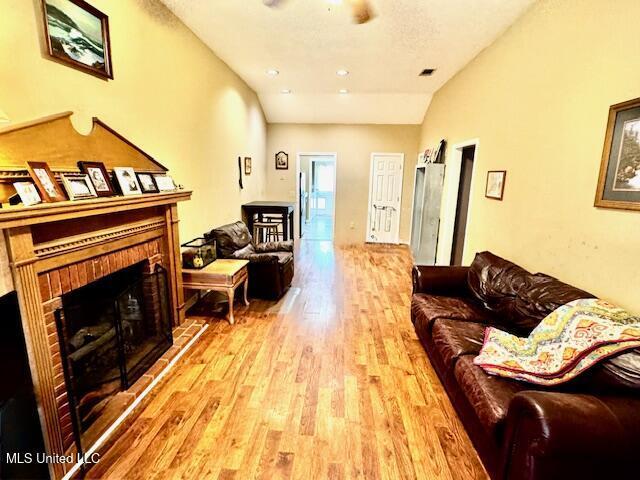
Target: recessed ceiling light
<point>427,72</point>
<point>342,73</point>
<point>344,91</point>
<point>272,72</point>
<point>286,91</point>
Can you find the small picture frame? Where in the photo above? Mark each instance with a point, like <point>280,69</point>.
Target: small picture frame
<point>282,161</point>
<point>45,182</point>
<point>247,165</point>
<point>127,181</point>
<point>165,183</point>
<point>495,184</point>
<point>147,183</point>
<point>78,186</point>
<point>99,176</point>
<point>28,193</point>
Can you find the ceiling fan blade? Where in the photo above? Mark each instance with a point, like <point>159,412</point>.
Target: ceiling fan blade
<point>273,3</point>
<point>362,11</point>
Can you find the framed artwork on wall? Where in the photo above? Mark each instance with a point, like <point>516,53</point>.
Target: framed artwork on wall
<point>99,176</point>
<point>77,34</point>
<point>247,165</point>
<point>46,182</point>
<point>78,186</point>
<point>282,161</point>
<point>619,180</point>
<point>495,184</point>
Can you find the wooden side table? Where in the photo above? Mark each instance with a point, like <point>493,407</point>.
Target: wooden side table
<point>222,276</point>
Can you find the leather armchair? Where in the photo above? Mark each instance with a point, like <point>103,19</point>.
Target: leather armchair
<point>271,266</point>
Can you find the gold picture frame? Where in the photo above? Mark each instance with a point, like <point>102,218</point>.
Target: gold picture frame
<point>619,178</point>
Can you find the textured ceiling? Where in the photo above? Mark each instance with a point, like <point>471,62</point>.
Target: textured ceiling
<point>309,40</point>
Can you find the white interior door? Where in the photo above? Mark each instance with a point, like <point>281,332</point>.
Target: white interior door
<point>385,194</point>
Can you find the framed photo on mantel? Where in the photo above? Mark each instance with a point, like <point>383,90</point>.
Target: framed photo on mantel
<point>45,182</point>
<point>99,176</point>
<point>619,181</point>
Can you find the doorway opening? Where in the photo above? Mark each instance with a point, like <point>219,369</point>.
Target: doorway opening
<point>462,209</point>
<point>317,195</point>
<point>456,202</point>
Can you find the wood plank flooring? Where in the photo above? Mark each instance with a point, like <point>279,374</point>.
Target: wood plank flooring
<point>329,383</point>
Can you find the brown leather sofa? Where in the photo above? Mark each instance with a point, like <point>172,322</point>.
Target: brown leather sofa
<point>271,266</point>
<point>587,428</point>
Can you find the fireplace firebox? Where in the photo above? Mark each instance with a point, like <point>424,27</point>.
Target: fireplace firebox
<point>111,332</point>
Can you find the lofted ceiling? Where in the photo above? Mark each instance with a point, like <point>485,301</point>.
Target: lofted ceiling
<point>308,41</point>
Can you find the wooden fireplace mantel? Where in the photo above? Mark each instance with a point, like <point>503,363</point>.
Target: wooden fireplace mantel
<point>19,216</point>
<point>55,248</point>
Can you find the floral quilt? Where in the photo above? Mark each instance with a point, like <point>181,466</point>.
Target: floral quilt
<point>568,341</point>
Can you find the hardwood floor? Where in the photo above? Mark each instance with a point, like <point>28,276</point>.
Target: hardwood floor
<point>330,382</point>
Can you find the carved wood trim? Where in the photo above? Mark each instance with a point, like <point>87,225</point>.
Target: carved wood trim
<point>51,212</point>
<point>69,244</point>
<point>97,121</point>
<point>58,261</point>
<point>54,140</point>
<point>20,247</point>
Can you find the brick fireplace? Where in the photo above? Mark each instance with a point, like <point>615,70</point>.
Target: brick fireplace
<point>65,279</point>
<point>56,249</point>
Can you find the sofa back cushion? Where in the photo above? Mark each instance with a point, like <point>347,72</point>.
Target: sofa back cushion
<point>519,298</point>
<point>230,238</point>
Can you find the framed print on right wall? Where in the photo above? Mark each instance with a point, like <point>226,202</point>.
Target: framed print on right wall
<point>619,181</point>
<point>495,184</point>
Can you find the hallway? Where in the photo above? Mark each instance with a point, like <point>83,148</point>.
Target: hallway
<point>320,227</point>
<point>330,382</point>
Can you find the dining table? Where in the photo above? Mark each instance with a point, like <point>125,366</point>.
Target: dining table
<point>256,211</point>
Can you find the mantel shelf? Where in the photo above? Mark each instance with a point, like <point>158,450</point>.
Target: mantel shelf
<point>18,216</point>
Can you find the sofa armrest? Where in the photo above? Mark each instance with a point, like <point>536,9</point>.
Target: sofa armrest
<point>274,247</point>
<point>440,280</point>
<point>568,435</point>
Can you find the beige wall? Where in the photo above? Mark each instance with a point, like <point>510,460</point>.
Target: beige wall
<point>538,100</point>
<point>171,96</point>
<point>354,145</point>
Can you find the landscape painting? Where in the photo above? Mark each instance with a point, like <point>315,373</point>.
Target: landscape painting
<point>628,167</point>
<point>619,180</point>
<point>77,34</point>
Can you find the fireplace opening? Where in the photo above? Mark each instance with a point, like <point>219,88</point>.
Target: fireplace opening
<point>111,332</point>
<point>20,430</point>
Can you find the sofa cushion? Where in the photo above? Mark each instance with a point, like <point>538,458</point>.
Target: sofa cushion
<point>454,338</point>
<point>519,299</point>
<point>229,238</point>
<point>428,308</point>
<point>488,395</point>
<point>620,373</point>
<point>542,295</point>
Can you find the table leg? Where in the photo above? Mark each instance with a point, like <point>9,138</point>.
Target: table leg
<point>230,295</point>
<point>291,225</point>
<point>246,290</point>
<point>249,213</point>
<point>285,226</point>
